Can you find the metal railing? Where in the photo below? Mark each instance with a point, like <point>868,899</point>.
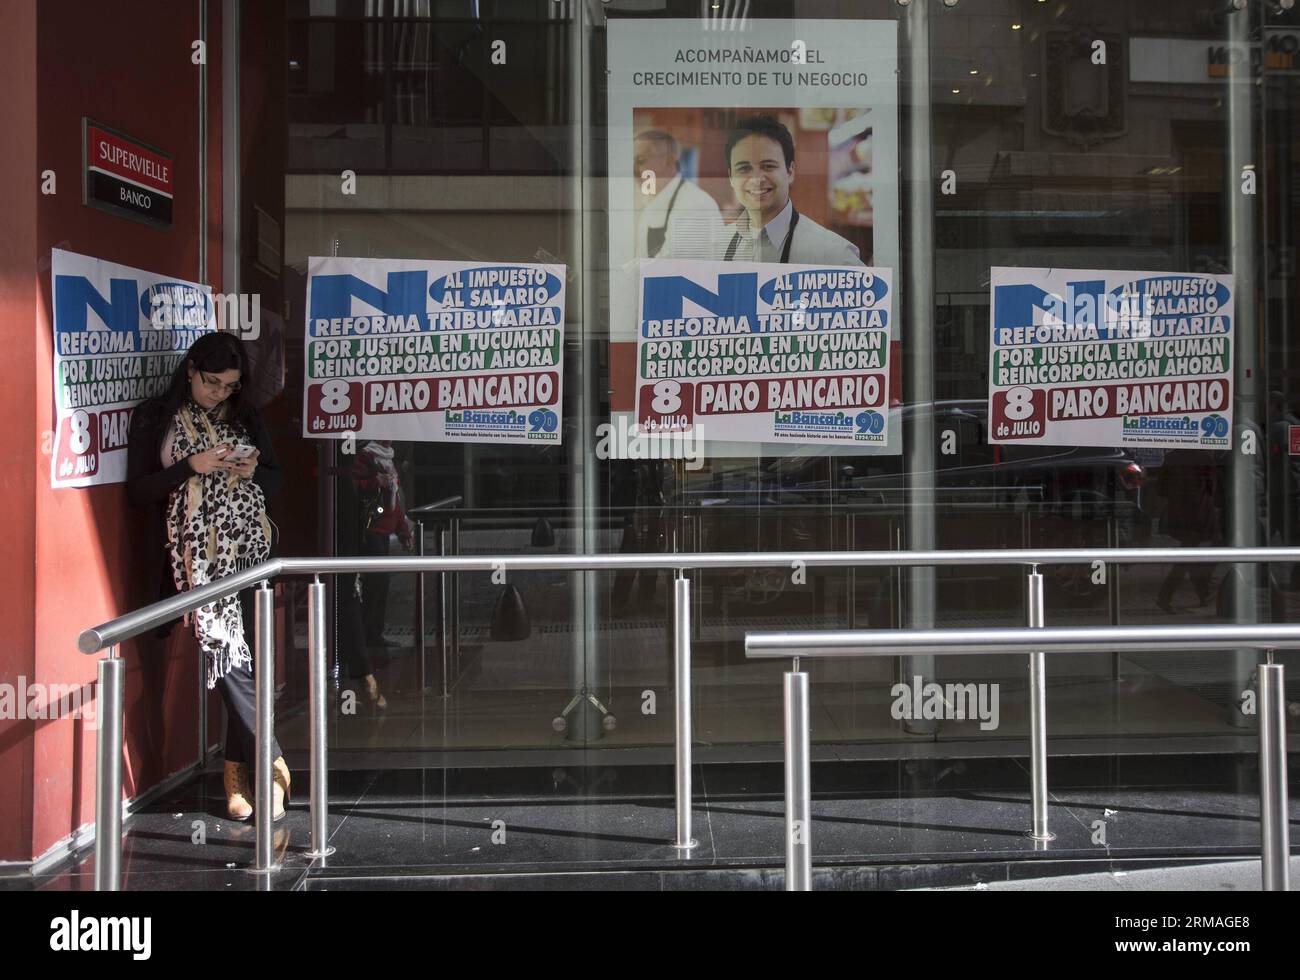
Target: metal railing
<point>108,636</point>
<point>1035,641</point>
<point>437,510</point>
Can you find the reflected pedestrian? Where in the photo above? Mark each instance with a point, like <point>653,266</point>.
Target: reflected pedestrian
<point>384,513</point>
<point>640,484</point>
<point>1192,487</point>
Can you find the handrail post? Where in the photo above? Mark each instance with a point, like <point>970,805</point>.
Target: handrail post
<point>1038,712</point>
<point>853,572</point>
<point>108,775</point>
<point>1273,814</point>
<point>421,667</point>
<point>444,610</point>
<point>798,784</point>
<point>316,677</point>
<point>454,589</point>
<point>264,678</point>
<point>682,707</point>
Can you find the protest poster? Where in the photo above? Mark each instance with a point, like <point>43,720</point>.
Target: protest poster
<point>1094,357</point>
<point>754,352</point>
<point>119,333</point>
<point>678,97</point>
<point>431,351</point>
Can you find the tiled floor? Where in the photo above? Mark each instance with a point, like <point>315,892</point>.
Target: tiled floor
<point>1234,876</point>
<point>876,824</point>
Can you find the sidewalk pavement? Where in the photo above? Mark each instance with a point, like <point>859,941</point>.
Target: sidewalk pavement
<point>1232,876</point>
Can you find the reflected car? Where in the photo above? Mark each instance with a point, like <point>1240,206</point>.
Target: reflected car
<point>1068,497</point>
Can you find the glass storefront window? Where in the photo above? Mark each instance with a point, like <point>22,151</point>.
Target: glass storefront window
<point>936,144</point>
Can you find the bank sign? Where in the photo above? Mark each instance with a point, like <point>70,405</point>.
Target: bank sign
<point>126,177</point>
<point>1181,61</point>
<point>1098,357</point>
<point>118,335</point>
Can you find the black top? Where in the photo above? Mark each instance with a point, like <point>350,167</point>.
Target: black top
<point>149,483</point>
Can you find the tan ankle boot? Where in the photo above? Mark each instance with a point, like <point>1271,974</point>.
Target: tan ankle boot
<point>235,779</point>
<point>373,694</point>
<point>279,787</point>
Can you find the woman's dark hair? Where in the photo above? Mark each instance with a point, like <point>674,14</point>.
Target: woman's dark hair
<point>768,126</point>
<point>213,352</point>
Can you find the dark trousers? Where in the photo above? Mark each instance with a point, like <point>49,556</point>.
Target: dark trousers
<point>644,533</point>
<point>374,588</point>
<point>240,695</point>
<point>1199,575</point>
<point>352,632</point>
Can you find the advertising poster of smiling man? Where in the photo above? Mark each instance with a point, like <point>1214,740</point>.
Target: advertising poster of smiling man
<point>734,153</point>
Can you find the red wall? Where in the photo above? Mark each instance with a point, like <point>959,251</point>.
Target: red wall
<point>127,66</point>
<point>23,460</point>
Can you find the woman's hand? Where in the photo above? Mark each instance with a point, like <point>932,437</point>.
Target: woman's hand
<point>210,460</point>
<point>247,466</point>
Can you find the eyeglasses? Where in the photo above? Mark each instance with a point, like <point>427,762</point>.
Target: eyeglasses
<point>216,384</point>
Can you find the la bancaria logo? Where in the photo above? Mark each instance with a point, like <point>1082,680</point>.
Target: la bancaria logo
<point>102,933</point>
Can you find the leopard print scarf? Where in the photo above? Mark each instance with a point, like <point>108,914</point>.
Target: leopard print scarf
<point>216,526</point>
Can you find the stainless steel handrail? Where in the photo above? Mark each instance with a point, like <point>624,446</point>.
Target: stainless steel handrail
<point>436,505</point>
<point>777,559</point>
<point>114,632</point>
<point>438,512</point>
<point>1035,640</point>
<point>165,610</point>
<point>134,623</point>
<point>1016,639</point>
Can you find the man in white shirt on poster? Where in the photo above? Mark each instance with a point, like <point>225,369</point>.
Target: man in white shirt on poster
<point>680,220</point>
<point>760,164</point>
